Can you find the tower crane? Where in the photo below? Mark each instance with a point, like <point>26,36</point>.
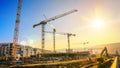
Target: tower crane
<point>16,31</point>
<point>44,22</point>
<point>54,32</point>
<point>68,38</point>
<point>84,43</point>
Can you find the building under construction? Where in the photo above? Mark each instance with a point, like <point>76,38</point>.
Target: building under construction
<point>22,50</point>
<point>42,58</point>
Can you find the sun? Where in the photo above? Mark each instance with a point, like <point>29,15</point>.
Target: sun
<point>98,23</point>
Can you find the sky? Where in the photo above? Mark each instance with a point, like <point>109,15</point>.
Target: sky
<point>96,22</point>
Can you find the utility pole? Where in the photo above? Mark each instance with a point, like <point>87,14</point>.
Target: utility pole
<point>16,31</point>
<point>44,22</point>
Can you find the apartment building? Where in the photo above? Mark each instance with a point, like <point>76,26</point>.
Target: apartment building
<point>22,50</point>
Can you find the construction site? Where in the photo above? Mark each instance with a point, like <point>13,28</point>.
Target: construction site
<point>43,58</point>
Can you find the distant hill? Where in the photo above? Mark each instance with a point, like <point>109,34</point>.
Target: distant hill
<point>112,47</point>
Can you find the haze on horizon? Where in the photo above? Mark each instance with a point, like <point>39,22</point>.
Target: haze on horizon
<point>97,21</point>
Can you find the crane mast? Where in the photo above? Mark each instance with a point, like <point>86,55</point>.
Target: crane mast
<point>54,40</point>
<point>16,31</point>
<point>54,32</point>
<point>68,37</point>
<point>44,22</point>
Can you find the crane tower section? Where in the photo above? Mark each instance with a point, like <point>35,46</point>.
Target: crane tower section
<point>16,31</point>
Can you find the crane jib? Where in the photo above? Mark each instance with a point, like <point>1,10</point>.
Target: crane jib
<point>54,18</point>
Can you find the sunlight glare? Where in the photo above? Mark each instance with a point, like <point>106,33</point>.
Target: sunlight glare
<point>98,23</point>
